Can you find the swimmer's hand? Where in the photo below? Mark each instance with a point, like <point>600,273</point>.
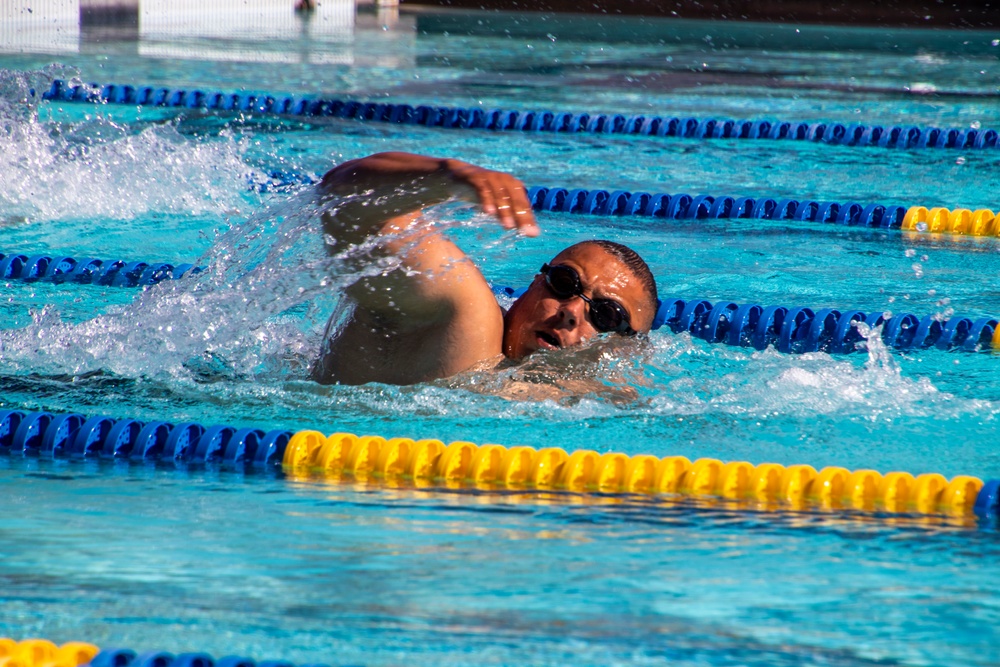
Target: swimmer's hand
<point>386,186</point>
<point>499,194</point>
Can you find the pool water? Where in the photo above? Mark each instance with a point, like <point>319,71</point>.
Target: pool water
<point>279,567</point>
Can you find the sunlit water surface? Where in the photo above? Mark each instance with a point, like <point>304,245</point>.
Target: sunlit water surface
<point>273,567</point>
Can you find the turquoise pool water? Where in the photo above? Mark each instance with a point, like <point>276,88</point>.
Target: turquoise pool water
<point>271,567</point>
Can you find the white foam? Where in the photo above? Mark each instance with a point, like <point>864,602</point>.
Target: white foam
<point>230,320</point>
<point>761,384</point>
<point>100,168</point>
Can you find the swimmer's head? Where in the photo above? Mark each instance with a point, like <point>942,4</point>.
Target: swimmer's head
<point>589,288</point>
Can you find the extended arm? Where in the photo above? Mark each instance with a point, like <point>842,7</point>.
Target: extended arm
<point>377,190</point>
<point>435,314</point>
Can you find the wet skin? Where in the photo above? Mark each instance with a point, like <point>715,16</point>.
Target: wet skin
<point>541,321</point>
<point>436,315</point>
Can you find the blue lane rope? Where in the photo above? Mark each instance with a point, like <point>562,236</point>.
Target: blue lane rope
<point>123,657</point>
<point>701,206</point>
<point>794,330</point>
<point>903,137</point>
<point>674,207</point>
<point>76,436</point>
<point>90,270</point>
<point>936,220</point>
<point>799,329</point>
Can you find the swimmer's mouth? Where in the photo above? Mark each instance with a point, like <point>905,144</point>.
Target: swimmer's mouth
<point>547,340</point>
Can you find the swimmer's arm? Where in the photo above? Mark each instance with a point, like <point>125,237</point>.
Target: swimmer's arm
<point>434,315</point>
<point>382,195</point>
<point>369,195</point>
<point>435,283</point>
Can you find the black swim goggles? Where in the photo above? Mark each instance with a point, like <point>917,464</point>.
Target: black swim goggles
<point>607,315</point>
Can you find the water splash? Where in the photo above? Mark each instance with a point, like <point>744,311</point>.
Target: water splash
<point>101,168</point>
<point>765,384</point>
<point>254,310</point>
<point>259,312</point>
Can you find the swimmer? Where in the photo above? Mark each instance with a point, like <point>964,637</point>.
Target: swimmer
<point>434,315</point>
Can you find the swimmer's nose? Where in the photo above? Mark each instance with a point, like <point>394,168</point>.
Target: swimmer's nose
<point>571,312</point>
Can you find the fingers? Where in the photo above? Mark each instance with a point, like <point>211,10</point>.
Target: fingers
<point>524,217</point>
<point>504,196</point>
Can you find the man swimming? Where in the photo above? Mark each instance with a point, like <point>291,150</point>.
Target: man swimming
<point>433,314</point>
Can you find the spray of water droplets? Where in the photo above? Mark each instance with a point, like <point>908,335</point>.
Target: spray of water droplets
<point>102,168</point>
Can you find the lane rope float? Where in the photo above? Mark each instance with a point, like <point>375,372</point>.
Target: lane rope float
<point>465,464</point>
<point>428,461</point>
<point>800,329</point>
<point>90,270</point>
<point>682,206</point>
<point>44,653</point>
<point>618,203</point>
<point>76,436</point>
<point>796,329</point>
<point>902,137</point>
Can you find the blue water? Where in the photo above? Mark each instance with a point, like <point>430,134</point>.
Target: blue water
<point>269,566</point>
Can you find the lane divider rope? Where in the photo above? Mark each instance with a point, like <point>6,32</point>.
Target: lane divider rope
<point>682,206</point>
<point>960,221</point>
<point>44,653</point>
<point>74,435</point>
<point>466,464</point>
<point>903,137</point>
<point>796,329</point>
<point>800,329</point>
<point>461,463</point>
<point>90,270</point>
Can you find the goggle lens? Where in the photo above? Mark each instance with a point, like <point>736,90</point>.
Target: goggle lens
<point>607,315</point>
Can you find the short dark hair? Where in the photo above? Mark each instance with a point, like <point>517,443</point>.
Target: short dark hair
<point>633,261</point>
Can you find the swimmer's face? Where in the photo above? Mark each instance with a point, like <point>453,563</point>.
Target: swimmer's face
<point>540,320</point>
